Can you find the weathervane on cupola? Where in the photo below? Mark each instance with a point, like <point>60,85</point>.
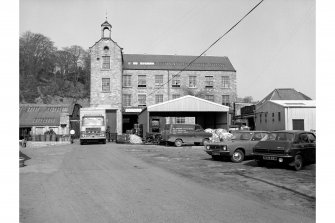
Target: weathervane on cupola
<point>106,29</point>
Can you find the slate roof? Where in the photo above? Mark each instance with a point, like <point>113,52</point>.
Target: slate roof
<point>42,114</point>
<point>175,62</point>
<point>284,94</point>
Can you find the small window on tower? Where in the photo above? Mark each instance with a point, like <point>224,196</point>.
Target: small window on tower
<point>105,62</point>
<point>106,49</point>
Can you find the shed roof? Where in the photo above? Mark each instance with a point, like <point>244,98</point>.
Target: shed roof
<point>295,103</point>
<point>188,103</point>
<point>42,114</point>
<point>175,62</point>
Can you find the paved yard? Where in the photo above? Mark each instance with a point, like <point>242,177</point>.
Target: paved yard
<point>146,183</point>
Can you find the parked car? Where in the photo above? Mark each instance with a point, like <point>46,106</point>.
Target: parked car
<point>184,133</point>
<point>295,148</point>
<point>240,145</point>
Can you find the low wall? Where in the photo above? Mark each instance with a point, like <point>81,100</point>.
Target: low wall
<point>36,144</point>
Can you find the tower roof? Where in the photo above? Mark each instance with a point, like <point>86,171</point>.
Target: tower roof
<point>106,23</point>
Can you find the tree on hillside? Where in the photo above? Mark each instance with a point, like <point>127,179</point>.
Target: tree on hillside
<point>36,54</point>
<point>36,59</point>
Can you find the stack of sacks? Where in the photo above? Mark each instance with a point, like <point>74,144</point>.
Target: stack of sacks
<point>226,136</point>
<point>215,137</point>
<point>135,139</point>
<point>219,135</point>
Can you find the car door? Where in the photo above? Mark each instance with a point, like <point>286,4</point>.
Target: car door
<point>311,147</point>
<point>303,146</point>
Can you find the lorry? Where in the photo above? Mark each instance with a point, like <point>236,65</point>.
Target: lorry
<point>92,125</point>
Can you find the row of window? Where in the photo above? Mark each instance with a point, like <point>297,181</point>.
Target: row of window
<point>142,98</point>
<point>142,81</point>
<point>266,117</point>
<point>159,81</point>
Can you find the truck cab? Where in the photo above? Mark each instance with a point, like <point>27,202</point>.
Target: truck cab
<point>92,125</point>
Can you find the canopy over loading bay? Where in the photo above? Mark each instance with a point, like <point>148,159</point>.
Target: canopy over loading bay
<point>207,114</point>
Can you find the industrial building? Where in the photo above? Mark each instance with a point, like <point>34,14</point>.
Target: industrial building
<point>286,115</point>
<point>125,84</point>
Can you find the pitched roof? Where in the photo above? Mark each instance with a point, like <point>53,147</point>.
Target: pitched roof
<point>42,114</point>
<point>188,103</point>
<point>284,94</point>
<point>106,24</point>
<point>175,62</point>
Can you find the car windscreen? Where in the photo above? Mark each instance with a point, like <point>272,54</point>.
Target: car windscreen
<point>241,136</point>
<point>279,136</point>
<point>93,120</point>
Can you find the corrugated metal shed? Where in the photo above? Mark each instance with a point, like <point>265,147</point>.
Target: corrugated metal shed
<point>174,62</point>
<point>188,103</point>
<point>43,115</point>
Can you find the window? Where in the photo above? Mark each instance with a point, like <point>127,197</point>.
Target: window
<point>273,117</point>
<point>192,81</point>
<point>176,81</point>
<point>209,81</point>
<point>311,138</point>
<point>158,80</point>
<point>209,98</point>
<point>278,116</point>
<point>105,62</point>
<point>106,49</point>
<point>142,98</point>
<point>126,99</point>
<point>225,81</point>
<point>180,120</point>
<point>126,80</point>
<point>260,118</point>
<point>225,100</point>
<point>142,81</point>
<point>158,98</point>
<point>105,84</point>
<point>174,96</point>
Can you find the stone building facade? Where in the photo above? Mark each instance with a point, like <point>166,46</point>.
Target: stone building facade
<point>126,83</point>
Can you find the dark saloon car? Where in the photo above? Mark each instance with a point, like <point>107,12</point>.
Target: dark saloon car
<point>294,148</point>
<point>240,145</point>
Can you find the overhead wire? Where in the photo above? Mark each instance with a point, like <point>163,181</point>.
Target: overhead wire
<point>190,63</point>
<point>216,41</point>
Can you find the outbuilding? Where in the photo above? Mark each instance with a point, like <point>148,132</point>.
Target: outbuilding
<point>197,110</point>
<point>286,115</point>
<point>37,119</point>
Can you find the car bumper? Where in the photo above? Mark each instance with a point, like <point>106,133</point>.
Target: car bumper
<point>282,158</point>
<point>217,153</point>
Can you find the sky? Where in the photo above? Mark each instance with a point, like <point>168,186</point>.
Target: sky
<point>273,47</point>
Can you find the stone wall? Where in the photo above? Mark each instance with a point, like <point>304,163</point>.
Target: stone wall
<point>112,98</point>
<point>167,90</point>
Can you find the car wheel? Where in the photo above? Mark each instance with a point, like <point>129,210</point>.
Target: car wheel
<point>178,143</point>
<point>205,141</point>
<point>298,163</point>
<point>238,156</point>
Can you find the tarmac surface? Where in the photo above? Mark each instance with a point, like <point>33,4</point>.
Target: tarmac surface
<point>145,183</point>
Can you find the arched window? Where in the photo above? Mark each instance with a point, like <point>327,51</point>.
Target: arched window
<point>106,49</point>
